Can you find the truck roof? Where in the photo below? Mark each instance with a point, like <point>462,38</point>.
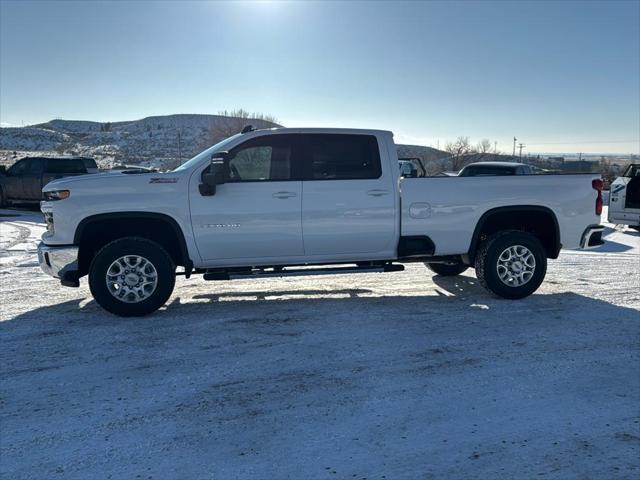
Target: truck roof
<point>360,131</point>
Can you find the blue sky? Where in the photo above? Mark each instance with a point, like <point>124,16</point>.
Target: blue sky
<point>561,76</point>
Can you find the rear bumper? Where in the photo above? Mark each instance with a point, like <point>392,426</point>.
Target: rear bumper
<point>592,237</point>
<point>624,218</point>
<point>60,262</point>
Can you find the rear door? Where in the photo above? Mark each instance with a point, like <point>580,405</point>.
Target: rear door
<point>348,202</point>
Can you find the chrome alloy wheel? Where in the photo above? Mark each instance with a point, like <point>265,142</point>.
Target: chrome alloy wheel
<point>132,278</point>
<point>516,265</point>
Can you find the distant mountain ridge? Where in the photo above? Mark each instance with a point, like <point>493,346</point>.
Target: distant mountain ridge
<point>160,141</point>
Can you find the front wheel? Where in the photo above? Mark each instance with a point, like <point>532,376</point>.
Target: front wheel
<point>132,277</point>
<point>511,264</point>
<point>447,270</point>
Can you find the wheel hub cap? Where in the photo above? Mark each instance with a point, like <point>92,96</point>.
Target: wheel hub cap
<point>131,278</point>
<point>516,265</point>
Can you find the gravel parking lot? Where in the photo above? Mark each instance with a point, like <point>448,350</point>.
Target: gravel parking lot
<point>399,375</point>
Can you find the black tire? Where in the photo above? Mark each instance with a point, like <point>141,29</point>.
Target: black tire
<point>150,251</point>
<point>446,270</point>
<point>3,200</point>
<point>487,259</point>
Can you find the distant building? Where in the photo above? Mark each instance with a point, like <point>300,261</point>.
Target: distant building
<point>579,166</point>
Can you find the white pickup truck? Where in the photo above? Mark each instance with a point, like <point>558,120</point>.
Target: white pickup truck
<point>306,201</point>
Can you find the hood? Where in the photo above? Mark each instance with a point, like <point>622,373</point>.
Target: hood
<point>114,178</point>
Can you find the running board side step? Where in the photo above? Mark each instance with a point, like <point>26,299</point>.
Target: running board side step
<point>292,272</point>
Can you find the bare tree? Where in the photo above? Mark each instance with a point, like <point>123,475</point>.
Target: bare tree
<point>458,150</point>
<point>231,122</point>
<point>484,146</point>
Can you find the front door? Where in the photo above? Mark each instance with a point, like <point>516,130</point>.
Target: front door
<point>348,205</point>
<point>256,216</point>
<point>32,179</point>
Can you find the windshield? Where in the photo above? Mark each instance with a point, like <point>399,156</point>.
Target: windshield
<point>207,153</point>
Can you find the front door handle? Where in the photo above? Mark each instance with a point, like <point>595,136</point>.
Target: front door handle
<point>284,194</point>
<point>377,193</point>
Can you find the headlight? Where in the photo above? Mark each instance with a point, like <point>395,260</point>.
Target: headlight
<point>56,195</point>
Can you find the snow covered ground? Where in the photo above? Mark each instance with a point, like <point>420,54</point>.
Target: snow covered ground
<point>375,376</point>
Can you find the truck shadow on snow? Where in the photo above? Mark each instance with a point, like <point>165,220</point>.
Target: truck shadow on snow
<point>449,295</point>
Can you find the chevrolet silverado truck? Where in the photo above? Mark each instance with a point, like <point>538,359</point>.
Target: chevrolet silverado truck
<point>285,202</point>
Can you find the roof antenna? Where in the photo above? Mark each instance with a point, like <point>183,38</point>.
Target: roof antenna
<point>248,128</point>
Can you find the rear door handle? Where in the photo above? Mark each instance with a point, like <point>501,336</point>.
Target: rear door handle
<point>284,194</point>
<point>377,193</point>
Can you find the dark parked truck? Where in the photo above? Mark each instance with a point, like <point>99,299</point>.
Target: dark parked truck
<point>23,181</point>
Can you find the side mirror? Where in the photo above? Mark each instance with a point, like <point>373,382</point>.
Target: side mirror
<point>215,175</point>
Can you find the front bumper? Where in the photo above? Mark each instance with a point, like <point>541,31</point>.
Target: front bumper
<point>60,262</point>
<point>592,237</point>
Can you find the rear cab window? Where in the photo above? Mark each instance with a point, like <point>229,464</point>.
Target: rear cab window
<point>65,165</point>
<point>488,171</point>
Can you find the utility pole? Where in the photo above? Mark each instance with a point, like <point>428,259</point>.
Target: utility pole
<point>495,147</point>
<point>514,146</point>
<point>521,146</point>
<point>179,149</point>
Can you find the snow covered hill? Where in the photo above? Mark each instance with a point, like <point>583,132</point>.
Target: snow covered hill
<point>159,141</point>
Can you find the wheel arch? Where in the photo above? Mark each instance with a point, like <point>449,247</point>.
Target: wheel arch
<point>95,231</point>
<point>542,222</point>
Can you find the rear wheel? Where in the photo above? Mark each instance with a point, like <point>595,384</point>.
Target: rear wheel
<point>132,277</point>
<point>511,264</point>
<point>447,270</point>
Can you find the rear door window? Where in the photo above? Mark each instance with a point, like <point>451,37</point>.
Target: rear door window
<point>340,157</point>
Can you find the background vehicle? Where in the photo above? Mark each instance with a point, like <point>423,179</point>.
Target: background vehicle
<point>264,202</point>
<point>498,168</point>
<point>624,198</point>
<point>23,181</point>
<point>411,168</point>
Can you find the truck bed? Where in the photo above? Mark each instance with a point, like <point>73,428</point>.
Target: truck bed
<point>429,207</point>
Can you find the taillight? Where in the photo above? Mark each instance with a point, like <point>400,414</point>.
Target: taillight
<point>597,185</point>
